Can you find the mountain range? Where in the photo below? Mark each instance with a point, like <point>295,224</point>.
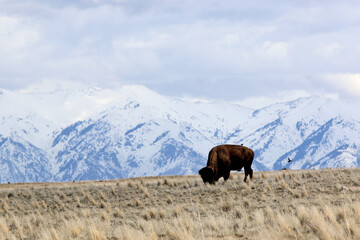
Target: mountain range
<point>131,131</point>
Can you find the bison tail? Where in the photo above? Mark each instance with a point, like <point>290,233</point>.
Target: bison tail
<point>252,156</point>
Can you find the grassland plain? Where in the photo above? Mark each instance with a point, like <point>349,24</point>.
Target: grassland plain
<point>303,204</point>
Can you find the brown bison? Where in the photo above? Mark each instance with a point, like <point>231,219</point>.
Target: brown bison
<point>224,158</point>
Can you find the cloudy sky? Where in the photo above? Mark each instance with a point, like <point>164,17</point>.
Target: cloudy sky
<point>232,50</point>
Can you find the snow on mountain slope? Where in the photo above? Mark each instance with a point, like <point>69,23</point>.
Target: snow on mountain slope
<point>142,136</point>
<point>285,126</point>
<point>20,161</point>
<point>334,144</point>
<point>132,131</point>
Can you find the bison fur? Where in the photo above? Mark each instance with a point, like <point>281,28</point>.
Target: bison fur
<point>224,158</point>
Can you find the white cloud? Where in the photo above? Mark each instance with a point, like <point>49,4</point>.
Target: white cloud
<point>14,37</point>
<point>257,102</point>
<point>329,50</point>
<point>209,49</point>
<point>348,82</point>
<point>156,41</point>
<point>50,85</point>
<point>274,51</point>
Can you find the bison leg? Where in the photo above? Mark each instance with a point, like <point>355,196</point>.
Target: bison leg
<point>248,171</point>
<point>226,175</point>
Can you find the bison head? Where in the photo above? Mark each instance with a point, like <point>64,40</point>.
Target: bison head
<point>207,174</point>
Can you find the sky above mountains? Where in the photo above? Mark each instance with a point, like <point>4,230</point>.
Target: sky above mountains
<point>248,51</point>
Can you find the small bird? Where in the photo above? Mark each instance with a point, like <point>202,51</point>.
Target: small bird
<point>289,160</point>
<point>241,144</point>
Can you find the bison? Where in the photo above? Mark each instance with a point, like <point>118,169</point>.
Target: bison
<point>224,158</point>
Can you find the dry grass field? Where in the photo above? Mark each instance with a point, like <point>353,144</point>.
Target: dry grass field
<point>304,204</point>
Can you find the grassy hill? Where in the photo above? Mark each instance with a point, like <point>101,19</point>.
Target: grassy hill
<point>304,204</point>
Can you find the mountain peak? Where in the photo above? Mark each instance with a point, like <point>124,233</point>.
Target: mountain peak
<point>99,133</point>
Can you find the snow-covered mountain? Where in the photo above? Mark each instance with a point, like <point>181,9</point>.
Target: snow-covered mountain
<point>133,131</point>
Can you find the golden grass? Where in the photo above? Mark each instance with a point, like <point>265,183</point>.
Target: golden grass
<point>304,204</point>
